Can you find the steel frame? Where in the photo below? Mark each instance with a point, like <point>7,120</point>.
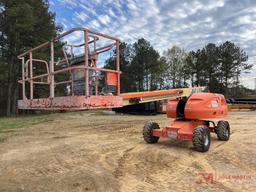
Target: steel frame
<point>86,101</point>
<point>183,130</point>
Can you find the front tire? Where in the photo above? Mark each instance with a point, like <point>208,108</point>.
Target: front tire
<point>223,130</point>
<point>201,138</point>
<point>148,132</point>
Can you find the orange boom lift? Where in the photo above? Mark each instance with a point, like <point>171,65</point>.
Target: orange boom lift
<point>84,84</point>
<point>190,120</point>
<point>83,81</point>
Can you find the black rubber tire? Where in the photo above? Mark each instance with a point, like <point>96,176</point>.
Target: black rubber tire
<point>223,130</point>
<point>200,134</point>
<point>148,132</point>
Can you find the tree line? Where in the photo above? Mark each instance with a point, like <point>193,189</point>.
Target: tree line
<point>218,67</point>
<point>27,23</point>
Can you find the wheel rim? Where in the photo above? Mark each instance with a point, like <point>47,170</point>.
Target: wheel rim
<point>206,140</point>
<point>226,132</point>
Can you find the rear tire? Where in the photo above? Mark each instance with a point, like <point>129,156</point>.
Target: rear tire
<point>148,132</point>
<point>201,138</point>
<point>223,130</point>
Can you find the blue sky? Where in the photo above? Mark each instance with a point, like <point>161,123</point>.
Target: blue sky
<point>190,24</point>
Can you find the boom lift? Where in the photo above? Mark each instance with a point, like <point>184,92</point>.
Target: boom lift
<point>85,84</point>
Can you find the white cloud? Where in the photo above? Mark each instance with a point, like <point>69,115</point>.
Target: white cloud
<point>104,19</point>
<point>68,2</point>
<point>81,15</point>
<point>249,82</point>
<point>94,24</point>
<point>111,13</point>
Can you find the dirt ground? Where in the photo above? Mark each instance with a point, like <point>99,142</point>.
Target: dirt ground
<point>89,151</point>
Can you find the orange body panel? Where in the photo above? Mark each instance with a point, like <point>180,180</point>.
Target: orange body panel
<point>206,105</point>
<point>171,108</point>
<point>200,106</point>
<point>182,130</point>
<point>112,78</point>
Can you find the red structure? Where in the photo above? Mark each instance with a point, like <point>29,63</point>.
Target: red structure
<point>64,75</point>
<point>62,63</point>
<point>190,120</point>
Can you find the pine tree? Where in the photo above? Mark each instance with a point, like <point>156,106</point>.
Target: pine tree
<point>233,62</point>
<point>144,64</point>
<point>24,24</point>
<point>177,72</point>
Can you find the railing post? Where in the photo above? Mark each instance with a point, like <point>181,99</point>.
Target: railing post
<point>23,78</point>
<point>118,67</point>
<point>52,71</point>
<point>95,65</point>
<point>86,74</point>
<point>31,74</point>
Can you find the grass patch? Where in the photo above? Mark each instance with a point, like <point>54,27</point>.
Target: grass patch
<point>10,124</point>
